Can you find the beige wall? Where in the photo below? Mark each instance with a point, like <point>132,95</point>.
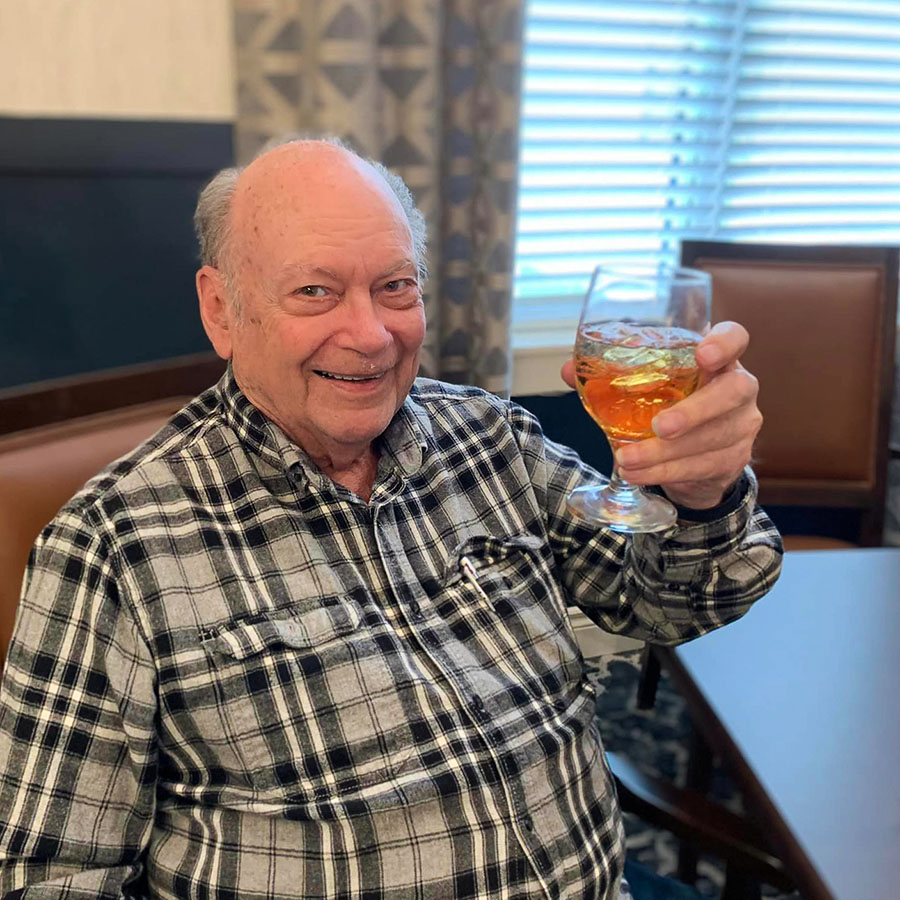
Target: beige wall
<point>139,59</point>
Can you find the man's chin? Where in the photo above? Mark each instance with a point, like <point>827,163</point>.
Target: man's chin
<point>361,426</point>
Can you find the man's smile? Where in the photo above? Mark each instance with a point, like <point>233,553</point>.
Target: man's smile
<point>337,376</point>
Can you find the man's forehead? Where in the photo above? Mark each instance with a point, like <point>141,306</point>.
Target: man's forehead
<point>300,192</point>
<point>303,174</point>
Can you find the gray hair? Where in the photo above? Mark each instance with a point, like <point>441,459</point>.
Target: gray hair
<point>212,222</point>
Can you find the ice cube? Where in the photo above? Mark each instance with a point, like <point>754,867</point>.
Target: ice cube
<point>639,382</point>
<point>622,356</point>
<point>644,356</point>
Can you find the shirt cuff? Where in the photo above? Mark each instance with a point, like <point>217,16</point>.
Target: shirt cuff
<point>728,504</point>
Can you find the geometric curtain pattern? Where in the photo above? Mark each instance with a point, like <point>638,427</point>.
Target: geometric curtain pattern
<point>432,90</point>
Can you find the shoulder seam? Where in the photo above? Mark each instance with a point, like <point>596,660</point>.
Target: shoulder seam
<point>88,502</point>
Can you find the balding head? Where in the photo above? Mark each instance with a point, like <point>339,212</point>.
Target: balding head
<point>213,221</point>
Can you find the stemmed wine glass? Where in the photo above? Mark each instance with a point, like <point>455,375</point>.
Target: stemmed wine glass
<point>634,357</point>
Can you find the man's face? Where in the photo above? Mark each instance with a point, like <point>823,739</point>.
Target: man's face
<point>327,342</point>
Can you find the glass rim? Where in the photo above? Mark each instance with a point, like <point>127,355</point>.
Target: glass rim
<point>650,272</point>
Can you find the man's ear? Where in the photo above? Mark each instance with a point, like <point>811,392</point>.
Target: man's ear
<point>215,310</point>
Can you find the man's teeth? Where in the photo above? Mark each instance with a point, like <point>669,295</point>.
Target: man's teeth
<point>348,377</point>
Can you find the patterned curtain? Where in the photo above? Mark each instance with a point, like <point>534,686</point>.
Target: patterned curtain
<point>432,90</point>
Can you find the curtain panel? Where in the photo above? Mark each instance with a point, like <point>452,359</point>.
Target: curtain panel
<point>432,90</point>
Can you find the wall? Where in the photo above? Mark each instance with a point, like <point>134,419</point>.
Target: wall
<point>113,114</point>
<point>134,59</point>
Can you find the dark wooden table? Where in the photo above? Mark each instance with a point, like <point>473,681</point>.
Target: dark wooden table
<point>800,698</point>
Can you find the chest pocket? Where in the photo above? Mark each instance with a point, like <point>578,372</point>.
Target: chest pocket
<point>509,579</point>
<point>309,701</point>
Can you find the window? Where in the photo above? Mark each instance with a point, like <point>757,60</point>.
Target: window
<point>645,121</point>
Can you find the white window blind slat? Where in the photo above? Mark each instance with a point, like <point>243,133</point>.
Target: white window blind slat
<point>645,121</point>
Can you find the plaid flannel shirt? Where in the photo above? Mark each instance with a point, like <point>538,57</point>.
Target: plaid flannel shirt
<point>231,677</point>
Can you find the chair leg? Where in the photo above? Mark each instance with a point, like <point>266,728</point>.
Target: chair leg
<point>649,679</point>
<point>697,778</point>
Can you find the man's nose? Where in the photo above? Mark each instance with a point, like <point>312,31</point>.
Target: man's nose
<point>364,328</point>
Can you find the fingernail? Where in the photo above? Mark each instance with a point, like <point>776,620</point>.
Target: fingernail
<point>627,456</point>
<point>668,424</point>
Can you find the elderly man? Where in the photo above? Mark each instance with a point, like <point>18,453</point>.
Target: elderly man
<point>310,640</point>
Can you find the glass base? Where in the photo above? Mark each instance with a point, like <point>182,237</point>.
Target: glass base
<point>622,507</point>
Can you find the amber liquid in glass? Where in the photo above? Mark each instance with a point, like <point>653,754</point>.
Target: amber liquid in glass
<point>626,374</point>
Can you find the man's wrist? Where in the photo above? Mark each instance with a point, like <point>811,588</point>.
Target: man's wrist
<point>731,500</point>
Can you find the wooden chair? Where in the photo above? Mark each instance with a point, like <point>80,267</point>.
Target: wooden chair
<point>703,826</point>
<point>61,433</point>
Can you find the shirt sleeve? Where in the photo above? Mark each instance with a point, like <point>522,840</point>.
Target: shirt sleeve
<point>77,733</point>
<point>663,588</point>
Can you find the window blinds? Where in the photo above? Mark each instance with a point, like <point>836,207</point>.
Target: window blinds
<point>647,121</point>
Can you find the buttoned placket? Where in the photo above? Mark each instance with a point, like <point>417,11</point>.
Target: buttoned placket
<point>435,637</point>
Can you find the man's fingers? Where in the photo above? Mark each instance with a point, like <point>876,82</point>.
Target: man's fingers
<point>722,465</point>
<point>724,344</point>
<point>568,372</point>
<point>727,430</point>
<point>655,460</point>
<point>734,389</point>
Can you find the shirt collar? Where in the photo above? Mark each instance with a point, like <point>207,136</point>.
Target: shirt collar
<point>406,438</point>
<point>403,442</point>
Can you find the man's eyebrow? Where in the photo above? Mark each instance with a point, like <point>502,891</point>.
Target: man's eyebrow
<point>398,266</point>
<point>302,269</point>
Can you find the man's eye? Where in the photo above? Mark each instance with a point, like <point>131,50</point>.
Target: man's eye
<point>400,284</point>
<point>311,290</point>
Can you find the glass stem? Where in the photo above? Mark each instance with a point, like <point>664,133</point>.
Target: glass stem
<point>620,492</point>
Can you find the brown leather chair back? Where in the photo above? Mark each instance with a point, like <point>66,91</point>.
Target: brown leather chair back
<point>822,325</point>
<point>55,435</point>
<point>41,468</point>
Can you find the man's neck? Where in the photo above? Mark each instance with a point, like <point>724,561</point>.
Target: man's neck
<point>352,466</point>
<point>356,473</point>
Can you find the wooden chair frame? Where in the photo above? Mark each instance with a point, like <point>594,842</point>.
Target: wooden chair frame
<point>59,399</point>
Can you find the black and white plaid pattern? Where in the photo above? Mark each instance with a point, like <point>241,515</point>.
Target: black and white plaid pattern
<point>231,677</point>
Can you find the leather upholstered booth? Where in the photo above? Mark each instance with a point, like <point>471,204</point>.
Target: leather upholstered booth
<point>822,323</point>
<point>62,433</point>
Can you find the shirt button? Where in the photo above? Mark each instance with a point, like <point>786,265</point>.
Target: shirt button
<point>673,586</point>
<point>415,611</point>
<point>478,706</point>
<point>527,822</point>
<point>431,639</point>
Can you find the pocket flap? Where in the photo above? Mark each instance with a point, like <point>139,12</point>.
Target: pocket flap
<point>303,630</point>
<point>490,549</point>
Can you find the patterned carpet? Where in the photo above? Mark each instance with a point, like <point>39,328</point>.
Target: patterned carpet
<point>656,741</point>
